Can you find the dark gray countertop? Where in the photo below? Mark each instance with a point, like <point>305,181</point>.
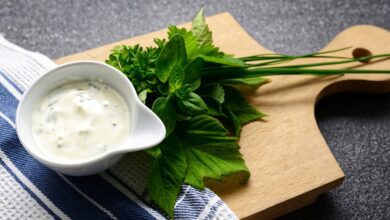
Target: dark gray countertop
<point>356,127</point>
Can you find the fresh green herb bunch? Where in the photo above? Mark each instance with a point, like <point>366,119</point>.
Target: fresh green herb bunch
<point>138,64</point>
<point>197,145</point>
<point>192,87</point>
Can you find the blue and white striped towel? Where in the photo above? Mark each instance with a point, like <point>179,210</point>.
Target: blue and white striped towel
<point>29,190</point>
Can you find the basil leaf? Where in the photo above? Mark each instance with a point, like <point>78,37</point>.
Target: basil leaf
<point>238,105</point>
<point>184,91</point>
<point>193,73</point>
<point>173,54</point>
<point>191,104</point>
<point>167,175</point>
<point>176,78</point>
<point>189,40</point>
<point>165,111</point>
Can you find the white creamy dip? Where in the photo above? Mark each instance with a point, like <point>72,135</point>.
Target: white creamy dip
<point>80,120</point>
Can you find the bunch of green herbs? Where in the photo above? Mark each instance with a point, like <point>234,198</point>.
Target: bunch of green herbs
<point>192,86</point>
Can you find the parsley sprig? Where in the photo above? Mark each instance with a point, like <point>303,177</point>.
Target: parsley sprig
<point>193,87</point>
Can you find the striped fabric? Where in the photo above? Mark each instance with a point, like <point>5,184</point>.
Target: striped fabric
<point>29,190</point>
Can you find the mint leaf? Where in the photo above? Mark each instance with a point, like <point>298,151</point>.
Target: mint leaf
<point>214,96</point>
<point>167,175</point>
<point>204,36</point>
<point>191,103</point>
<point>252,82</point>
<point>173,54</point>
<point>214,108</point>
<point>215,92</point>
<point>238,109</point>
<point>210,152</point>
<point>198,42</point>
<point>193,73</point>
<point>165,111</point>
<point>199,26</point>
<point>237,125</point>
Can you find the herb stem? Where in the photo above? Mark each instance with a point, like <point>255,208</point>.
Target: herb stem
<point>339,62</point>
<point>283,56</point>
<point>298,71</point>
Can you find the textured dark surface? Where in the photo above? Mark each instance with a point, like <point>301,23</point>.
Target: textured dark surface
<point>355,126</point>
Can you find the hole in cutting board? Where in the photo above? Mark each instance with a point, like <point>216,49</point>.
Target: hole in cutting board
<point>361,52</point>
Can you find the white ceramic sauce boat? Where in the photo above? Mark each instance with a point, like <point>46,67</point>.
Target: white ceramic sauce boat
<point>146,129</point>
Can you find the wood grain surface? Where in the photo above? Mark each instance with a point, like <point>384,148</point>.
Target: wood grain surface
<point>289,160</point>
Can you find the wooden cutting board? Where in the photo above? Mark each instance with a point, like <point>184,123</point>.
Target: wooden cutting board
<point>289,160</point>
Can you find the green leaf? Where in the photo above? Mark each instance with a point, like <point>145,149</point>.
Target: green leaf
<point>155,152</point>
<point>138,65</point>
<point>193,73</point>
<point>238,105</point>
<point>184,91</point>
<point>163,89</point>
<point>252,82</point>
<point>191,104</point>
<point>167,175</point>
<point>191,44</point>
<point>214,108</point>
<point>204,36</point>
<point>225,59</point>
<point>199,24</point>
<point>173,54</point>
<point>210,152</point>
<point>176,78</point>
<point>234,120</point>
<point>198,41</point>
<point>143,95</point>
<point>215,92</point>
<point>165,111</point>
